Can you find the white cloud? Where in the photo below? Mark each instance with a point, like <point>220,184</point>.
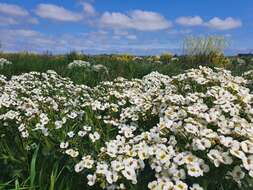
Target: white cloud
<point>96,42</point>
<point>11,14</point>
<point>116,37</point>
<point>123,34</point>
<point>12,10</point>
<point>190,21</point>
<point>23,33</point>
<point>57,13</point>
<point>33,20</point>
<point>226,24</point>
<point>89,9</point>
<point>8,21</point>
<point>120,32</point>
<point>215,23</point>
<point>137,19</point>
<point>179,32</point>
<point>131,37</point>
<point>25,40</point>
<point>4,21</point>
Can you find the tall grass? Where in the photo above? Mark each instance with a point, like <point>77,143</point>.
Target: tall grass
<point>23,63</point>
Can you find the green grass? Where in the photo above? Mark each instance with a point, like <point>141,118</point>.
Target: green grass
<point>23,63</point>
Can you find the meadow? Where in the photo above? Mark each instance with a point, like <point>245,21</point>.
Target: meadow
<point>79,121</point>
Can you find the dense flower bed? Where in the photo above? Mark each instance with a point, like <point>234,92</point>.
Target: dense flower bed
<point>183,132</point>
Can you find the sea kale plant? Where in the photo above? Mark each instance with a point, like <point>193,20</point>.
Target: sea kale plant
<point>190,131</point>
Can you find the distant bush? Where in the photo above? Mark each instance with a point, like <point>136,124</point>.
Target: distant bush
<point>124,57</point>
<point>205,51</point>
<point>166,58</point>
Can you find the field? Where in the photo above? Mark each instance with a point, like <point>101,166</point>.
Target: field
<point>125,122</point>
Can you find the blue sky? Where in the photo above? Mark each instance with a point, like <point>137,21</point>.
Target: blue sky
<point>116,26</point>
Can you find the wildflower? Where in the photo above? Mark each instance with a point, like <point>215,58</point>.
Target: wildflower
<point>194,170</point>
<point>180,186</point>
<point>91,179</point>
<point>153,185</point>
<point>58,124</point>
<point>129,173</point>
<point>248,162</point>
<point>196,187</point>
<point>64,145</point>
<point>247,146</point>
<point>82,133</point>
<point>71,134</point>
<point>237,173</point>
<point>72,153</point>
<point>94,137</point>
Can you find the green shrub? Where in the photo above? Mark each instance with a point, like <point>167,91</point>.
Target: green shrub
<point>166,58</point>
<point>207,51</point>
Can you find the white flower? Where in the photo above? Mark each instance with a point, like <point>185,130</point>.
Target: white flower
<point>215,156</point>
<point>91,179</point>
<point>237,173</point>
<point>87,128</point>
<point>180,186</point>
<point>194,170</point>
<point>162,156</point>
<point>82,133</point>
<point>71,134</point>
<point>94,137</point>
<point>117,165</point>
<point>153,185</point>
<point>111,177</point>
<point>64,145</point>
<point>58,124</point>
<point>72,115</point>
<point>179,159</point>
<point>87,161</point>
<point>79,167</point>
<point>196,187</point>
<point>101,168</point>
<point>25,134</point>
<point>201,144</point>
<point>190,128</point>
<point>238,153</point>
<point>143,153</point>
<point>129,173</point>
<point>247,146</point>
<point>248,162</point>
<point>21,128</point>
<point>189,159</point>
<point>72,152</point>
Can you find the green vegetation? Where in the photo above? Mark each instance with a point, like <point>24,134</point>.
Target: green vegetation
<point>40,112</point>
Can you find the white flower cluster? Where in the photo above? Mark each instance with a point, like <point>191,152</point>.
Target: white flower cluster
<point>87,65</point>
<point>249,76</point>
<point>180,130</point>
<point>4,62</point>
<point>78,63</point>
<point>40,103</point>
